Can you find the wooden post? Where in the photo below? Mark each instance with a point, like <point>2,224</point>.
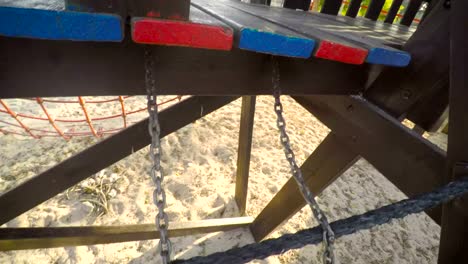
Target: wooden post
<point>454,238</point>
<point>243,152</point>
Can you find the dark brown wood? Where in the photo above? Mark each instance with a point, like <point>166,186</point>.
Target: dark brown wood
<point>393,11</point>
<point>430,112</point>
<point>49,237</point>
<point>331,7</point>
<point>397,89</point>
<point>110,150</point>
<point>91,69</point>
<point>411,11</point>
<point>297,4</point>
<point>319,170</point>
<point>173,9</point>
<point>353,8</point>
<point>243,151</point>
<point>375,7</point>
<point>408,160</point>
<point>454,238</point>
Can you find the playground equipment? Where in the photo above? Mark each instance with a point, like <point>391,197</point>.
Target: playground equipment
<point>358,76</point>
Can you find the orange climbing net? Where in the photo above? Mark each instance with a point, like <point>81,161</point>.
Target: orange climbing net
<point>91,121</point>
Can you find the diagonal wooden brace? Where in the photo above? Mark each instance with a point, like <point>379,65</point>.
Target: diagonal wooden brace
<point>93,159</point>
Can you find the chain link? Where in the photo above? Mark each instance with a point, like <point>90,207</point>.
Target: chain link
<point>156,173</point>
<point>328,235</point>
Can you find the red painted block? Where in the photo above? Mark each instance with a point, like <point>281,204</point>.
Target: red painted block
<point>179,33</point>
<point>342,53</point>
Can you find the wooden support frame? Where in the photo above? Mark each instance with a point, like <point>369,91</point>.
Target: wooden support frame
<point>49,237</point>
<point>79,167</point>
<point>359,129</point>
<point>243,151</point>
<point>454,238</point>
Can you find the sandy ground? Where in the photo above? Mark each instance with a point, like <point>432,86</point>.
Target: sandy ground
<point>200,164</point>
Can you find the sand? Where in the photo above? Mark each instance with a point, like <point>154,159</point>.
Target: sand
<point>200,164</point>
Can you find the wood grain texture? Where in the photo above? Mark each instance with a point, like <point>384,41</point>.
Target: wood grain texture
<point>258,35</point>
<point>50,237</point>
<point>335,42</point>
<point>50,20</point>
<point>202,31</point>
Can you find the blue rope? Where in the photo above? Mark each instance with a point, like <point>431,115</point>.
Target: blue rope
<point>342,227</point>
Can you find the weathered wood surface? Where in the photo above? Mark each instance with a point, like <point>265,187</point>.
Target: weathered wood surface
<point>258,35</point>
<point>110,150</point>
<point>201,31</point>
<point>244,151</point>
<point>454,237</point>
<point>410,12</point>
<point>49,237</point>
<point>331,7</point>
<point>334,42</point>
<point>353,8</point>
<point>50,20</point>
<point>173,9</point>
<point>393,11</point>
<point>91,69</point>
<point>374,9</point>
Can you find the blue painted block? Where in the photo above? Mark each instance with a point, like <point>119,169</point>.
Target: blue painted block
<point>59,25</point>
<point>276,44</point>
<point>391,57</point>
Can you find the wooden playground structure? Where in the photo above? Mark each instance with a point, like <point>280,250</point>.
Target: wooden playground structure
<point>359,76</point>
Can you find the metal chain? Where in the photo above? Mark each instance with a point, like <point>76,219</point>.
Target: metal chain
<point>159,195</point>
<point>328,235</point>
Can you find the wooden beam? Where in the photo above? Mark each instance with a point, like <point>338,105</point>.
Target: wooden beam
<point>411,11</point>
<point>408,160</point>
<point>454,238</point>
<point>50,237</point>
<point>331,7</point>
<point>110,150</point>
<point>117,68</point>
<point>328,161</point>
<point>393,11</point>
<point>243,151</point>
<point>375,7</point>
<point>353,8</point>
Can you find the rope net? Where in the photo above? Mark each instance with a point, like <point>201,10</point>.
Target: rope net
<point>74,117</point>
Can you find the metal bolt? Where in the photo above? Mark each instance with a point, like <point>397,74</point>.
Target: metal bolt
<point>447,3</point>
<point>406,94</point>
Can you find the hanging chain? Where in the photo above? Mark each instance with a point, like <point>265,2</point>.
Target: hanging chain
<point>328,235</point>
<point>159,195</point>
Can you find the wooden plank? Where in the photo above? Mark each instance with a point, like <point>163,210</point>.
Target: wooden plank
<point>393,11</point>
<point>258,35</point>
<point>110,150</point>
<point>202,31</point>
<point>243,151</point>
<point>454,237</point>
<point>375,7</point>
<point>50,237</point>
<point>328,161</point>
<point>50,20</point>
<point>353,8</point>
<point>92,6</point>
<point>88,69</point>
<point>411,11</point>
<point>331,7</point>
<point>297,4</point>
<point>173,9</point>
<point>400,88</point>
<point>389,34</point>
<point>335,42</point>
